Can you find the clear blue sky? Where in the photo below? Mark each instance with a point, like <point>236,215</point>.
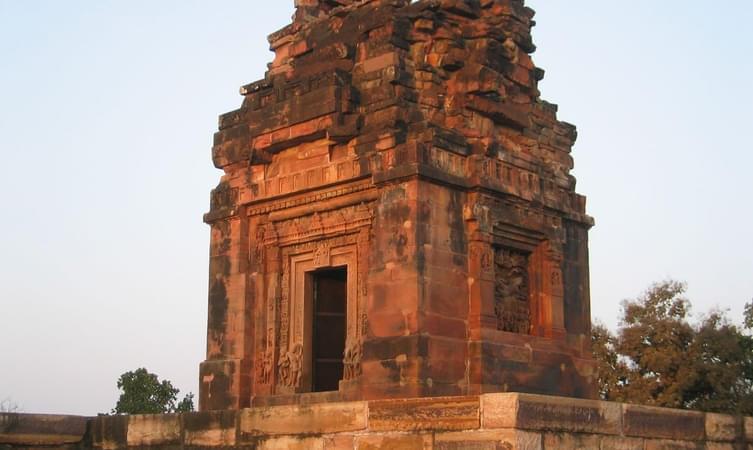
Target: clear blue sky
<point>107,110</point>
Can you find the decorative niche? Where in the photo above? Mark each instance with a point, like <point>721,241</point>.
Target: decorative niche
<point>512,290</point>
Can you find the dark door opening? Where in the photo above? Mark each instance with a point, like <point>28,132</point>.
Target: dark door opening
<point>329,328</point>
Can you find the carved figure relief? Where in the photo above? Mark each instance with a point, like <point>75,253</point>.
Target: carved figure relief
<point>285,303</point>
<point>511,286</point>
<point>485,261</point>
<point>352,360</point>
<point>321,255</point>
<point>363,251</point>
<point>557,287</point>
<point>290,367</point>
<point>266,364</point>
<point>481,254</point>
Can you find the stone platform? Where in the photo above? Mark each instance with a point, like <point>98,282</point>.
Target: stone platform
<point>491,421</point>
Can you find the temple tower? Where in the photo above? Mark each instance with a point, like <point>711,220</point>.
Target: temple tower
<point>396,216</point>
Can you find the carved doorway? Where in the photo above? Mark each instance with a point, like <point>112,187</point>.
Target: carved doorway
<point>329,327</point>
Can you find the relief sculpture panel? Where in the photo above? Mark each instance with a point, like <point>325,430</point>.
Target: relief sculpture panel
<point>290,366</point>
<point>352,360</point>
<point>511,291</point>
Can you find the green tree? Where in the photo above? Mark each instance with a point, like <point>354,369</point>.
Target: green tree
<point>143,393</point>
<point>610,367</point>
<point>655,338</point>
<point>658,357</point>
<point>722,359</point>
<point>748,315</point>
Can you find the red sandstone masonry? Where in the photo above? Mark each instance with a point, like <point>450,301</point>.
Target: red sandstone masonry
<point>406,143</point>
<point>464,240</point>
<point>509,421</point>
<point>534,412</point>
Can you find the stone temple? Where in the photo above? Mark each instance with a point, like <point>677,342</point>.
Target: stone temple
<point>396,216</point>
<point>399,259</point>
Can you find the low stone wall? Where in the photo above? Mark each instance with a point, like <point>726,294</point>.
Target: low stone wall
<point>493,421</point>
<point>41,430</point>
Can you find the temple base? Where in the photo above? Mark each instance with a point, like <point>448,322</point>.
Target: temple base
<point>510,421</point>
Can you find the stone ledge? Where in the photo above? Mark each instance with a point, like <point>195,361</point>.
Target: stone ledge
<point>493,439</point>
<point>512,421</point>
<point>542,413</point>
<point>150,430</point>
<point>442,413</point>
<point>41,429</point>
<point>210,428</point>
<point>311,419</point>
<point>651,422</point>
<point>720,427</point>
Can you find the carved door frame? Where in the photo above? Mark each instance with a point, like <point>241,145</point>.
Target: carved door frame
<point>294,337</point>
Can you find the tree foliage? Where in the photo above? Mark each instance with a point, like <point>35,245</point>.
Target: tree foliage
<point>657,357</point>
<point>143,393</point>
<point>610,367</point>
<point>748,315</point>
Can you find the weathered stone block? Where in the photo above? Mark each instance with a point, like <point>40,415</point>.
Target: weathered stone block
<point>41,429</point>
<point>489,440</point>
<point>535,412</point>
<point>621,443</point>
<point>109,432</point>
<point>721,446</point>
<point>646,421</point>
<point>665,444</point>
<point>451,413</point>
<point>210,428</point>
<point>720,427</point>
<point>339,442</point>
<point>557,441</point>
<point>304,419</point>
<point>394,442</point>
<point>157,429</point>
<point>293,443</point>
